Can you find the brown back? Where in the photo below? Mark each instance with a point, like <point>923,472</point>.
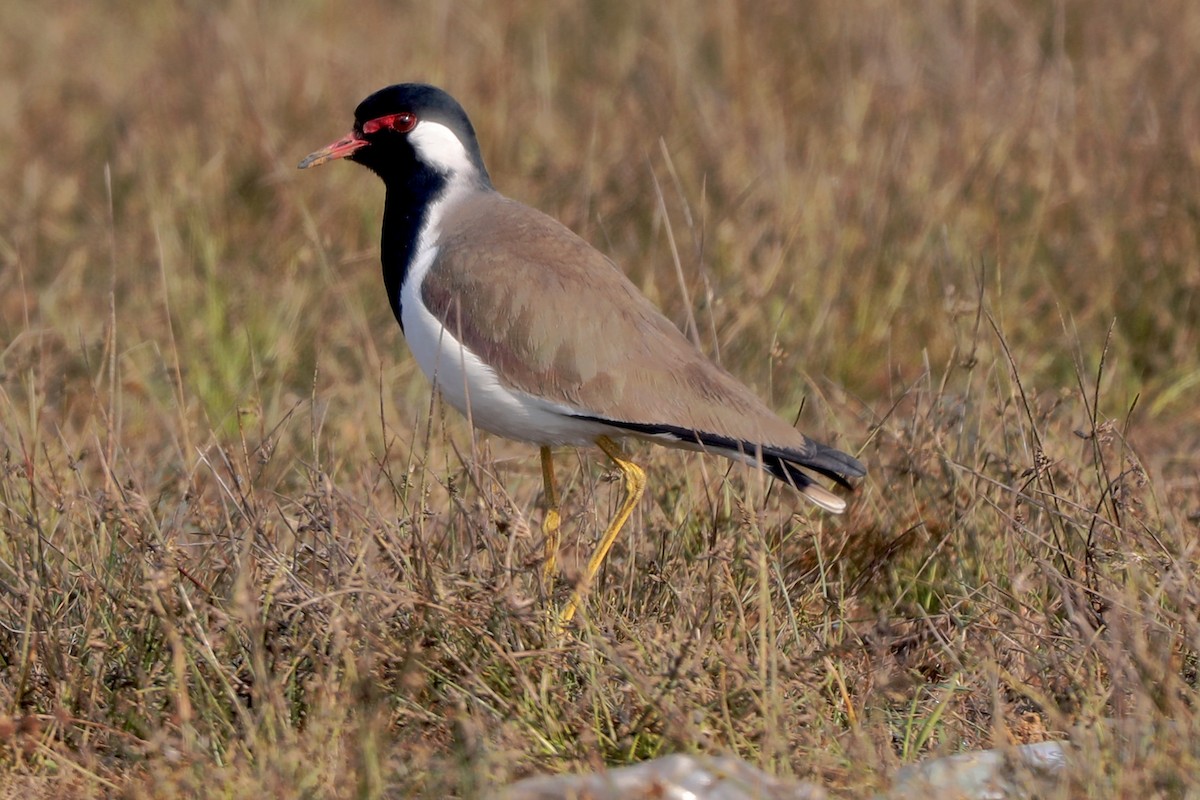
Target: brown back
<point>557,319</point>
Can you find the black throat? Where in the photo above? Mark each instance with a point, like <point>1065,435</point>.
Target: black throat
<point>405,212</point>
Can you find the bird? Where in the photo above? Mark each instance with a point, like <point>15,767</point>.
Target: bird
<point>535,335</point>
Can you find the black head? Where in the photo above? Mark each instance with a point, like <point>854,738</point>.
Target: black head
<point>407,133</point>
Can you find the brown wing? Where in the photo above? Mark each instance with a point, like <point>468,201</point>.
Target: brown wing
<point>622,360</point>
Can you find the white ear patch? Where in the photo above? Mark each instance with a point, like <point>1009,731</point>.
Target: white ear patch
<point>437,146</point>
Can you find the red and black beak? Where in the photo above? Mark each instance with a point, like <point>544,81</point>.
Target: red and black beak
<point>339,149</point>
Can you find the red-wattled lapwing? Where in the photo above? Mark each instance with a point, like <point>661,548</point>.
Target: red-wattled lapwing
<point>535,335</point>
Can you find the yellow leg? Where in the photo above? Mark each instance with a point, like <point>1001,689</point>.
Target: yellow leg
<point>551,520</point>
<point>635,483</point>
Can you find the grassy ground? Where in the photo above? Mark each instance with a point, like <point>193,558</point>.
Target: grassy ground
<point>242,551</point>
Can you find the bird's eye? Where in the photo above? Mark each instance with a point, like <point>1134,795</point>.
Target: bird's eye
<point>403,122</point>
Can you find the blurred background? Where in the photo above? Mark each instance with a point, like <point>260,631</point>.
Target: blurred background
<point>959,239</point>
<point>833,176</point>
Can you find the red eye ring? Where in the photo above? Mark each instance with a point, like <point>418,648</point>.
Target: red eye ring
<point>403,122</point>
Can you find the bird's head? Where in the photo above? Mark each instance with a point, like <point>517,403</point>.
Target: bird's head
<point>410,132</point>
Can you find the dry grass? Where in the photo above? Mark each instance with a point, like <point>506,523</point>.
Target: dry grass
<point>243,553</point>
